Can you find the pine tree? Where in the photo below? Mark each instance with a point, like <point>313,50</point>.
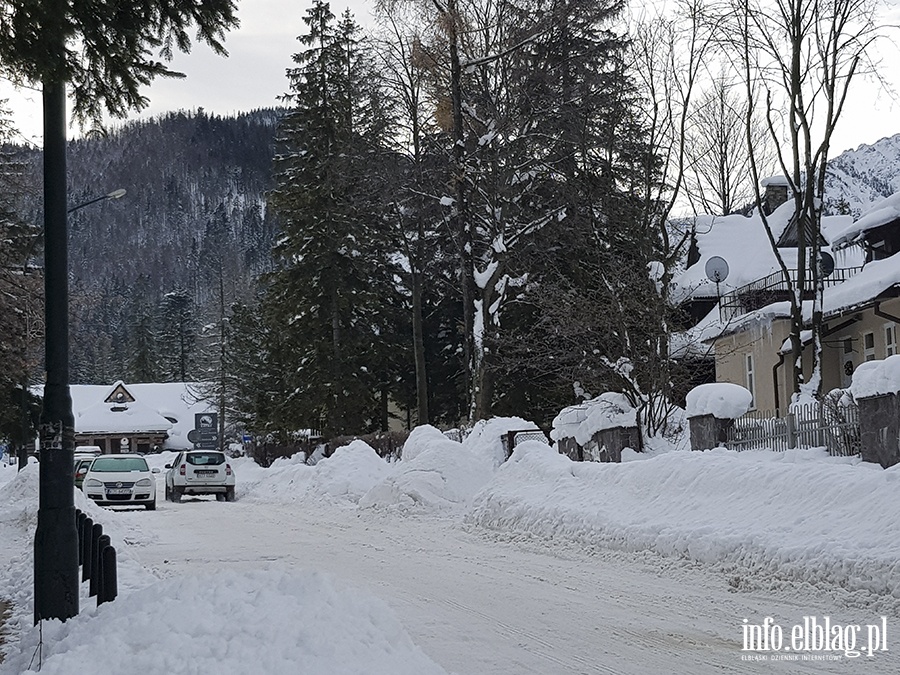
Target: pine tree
<point>331,293</point>
<point>178,336</point>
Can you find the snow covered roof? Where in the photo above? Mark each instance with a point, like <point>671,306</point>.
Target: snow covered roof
<point>881,213</point>
<point>744,244</point>
<point>167,407</point>
<point>875,278</point>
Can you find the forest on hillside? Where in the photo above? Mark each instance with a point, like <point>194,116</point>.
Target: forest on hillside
<point>149,265</point>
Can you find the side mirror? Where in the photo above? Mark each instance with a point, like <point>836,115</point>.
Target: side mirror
<point>154,470</point>
<point>168,466</point>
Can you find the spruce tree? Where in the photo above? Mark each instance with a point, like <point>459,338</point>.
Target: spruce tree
<point>332,292</point>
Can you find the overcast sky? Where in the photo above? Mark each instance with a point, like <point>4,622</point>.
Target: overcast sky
<point>253,76</point>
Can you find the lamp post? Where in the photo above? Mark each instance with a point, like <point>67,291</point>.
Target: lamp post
<point>56,537</point>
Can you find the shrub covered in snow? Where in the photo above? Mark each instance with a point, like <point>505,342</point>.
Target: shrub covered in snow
<point>722,400</point>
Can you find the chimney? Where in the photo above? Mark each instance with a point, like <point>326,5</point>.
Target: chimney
<point>776,193</point>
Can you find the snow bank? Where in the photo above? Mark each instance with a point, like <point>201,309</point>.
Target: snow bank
<point>793,515</point>
<point>486,437</point>
<point>436,474</point>
<point>722,400</point>
<point>253,622</point>
<point>874,378</point>
<point>347,475</point>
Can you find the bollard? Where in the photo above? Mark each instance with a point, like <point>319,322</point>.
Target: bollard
<point>109,588</point>
<point>102,543</point>
<point>96,533</point>
<point>79,525</point>
<point>87,527</point>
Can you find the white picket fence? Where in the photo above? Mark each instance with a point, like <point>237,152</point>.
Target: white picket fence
<point>812,425</point>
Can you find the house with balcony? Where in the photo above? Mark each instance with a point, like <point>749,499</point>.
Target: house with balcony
<point>861,311</point>
<point>737,293</point>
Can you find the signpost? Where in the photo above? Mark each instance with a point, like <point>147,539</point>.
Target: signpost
<point>205,435</point>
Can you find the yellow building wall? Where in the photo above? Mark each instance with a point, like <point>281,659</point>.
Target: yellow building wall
<point>763,341</point>
<point>842,352</point>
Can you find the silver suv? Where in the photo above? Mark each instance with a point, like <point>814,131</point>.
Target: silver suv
<point>200,472</point>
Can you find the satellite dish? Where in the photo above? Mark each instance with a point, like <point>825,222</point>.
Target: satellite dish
<point>717,269</point>
<point>827,262</point>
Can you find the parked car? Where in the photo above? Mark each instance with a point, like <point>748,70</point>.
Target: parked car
<point>200,472</point>
<point>82,462</point>
<point>121,480</point>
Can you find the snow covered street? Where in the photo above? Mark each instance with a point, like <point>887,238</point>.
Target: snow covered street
<point>477,602</point>
<point>451,561</point>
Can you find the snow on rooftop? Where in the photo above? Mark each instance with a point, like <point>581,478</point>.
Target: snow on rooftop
<point>722,400</point>
<point>881,213</point>
<point>876,277</point>
<point>155,403</point>
<point>744,244</point>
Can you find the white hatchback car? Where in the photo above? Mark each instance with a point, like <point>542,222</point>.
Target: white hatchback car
<point>121,480</point>
<point>200,472</point>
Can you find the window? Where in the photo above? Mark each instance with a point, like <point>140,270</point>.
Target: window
<point>890,339</point>
<point>751,380</point>
<point>848,345</point>
<point>869,346</point>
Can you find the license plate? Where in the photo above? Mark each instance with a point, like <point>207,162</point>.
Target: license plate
<point>118,491</point>
<point>206,472</point>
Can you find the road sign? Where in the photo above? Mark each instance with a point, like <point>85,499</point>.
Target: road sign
<point>197,436</point>
<point>206,445</point>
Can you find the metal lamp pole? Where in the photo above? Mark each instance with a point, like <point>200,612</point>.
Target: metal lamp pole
<point>56,538</point>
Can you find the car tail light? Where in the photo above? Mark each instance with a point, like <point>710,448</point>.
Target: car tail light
<point>181,469</point>
<point>228,469</point>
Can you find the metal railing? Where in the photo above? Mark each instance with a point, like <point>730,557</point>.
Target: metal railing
<point>773,288</point>
<point>813,425</point>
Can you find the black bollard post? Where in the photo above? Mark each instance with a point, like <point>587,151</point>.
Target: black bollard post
<point>79,525</point>
<point>102,543</point>
<point>109,589</point>
<point>96,533</point>
<point>87,527</point>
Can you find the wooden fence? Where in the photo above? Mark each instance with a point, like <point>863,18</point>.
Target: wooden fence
<point>812,425</point>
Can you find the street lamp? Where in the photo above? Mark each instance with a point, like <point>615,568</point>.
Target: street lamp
<point>115,194</point>
<point>56,537</point>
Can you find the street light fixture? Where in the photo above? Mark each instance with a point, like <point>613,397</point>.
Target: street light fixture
<point>115,194</point>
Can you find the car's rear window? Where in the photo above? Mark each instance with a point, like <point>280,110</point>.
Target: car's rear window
<point>111,464</point>
<point>205,458</point>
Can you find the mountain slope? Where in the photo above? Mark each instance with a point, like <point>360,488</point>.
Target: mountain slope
<point>864,176</point>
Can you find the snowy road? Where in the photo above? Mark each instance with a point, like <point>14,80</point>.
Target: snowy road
<point>479,605</point>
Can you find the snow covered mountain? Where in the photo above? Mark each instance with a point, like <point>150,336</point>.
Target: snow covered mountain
<point>859,178</point>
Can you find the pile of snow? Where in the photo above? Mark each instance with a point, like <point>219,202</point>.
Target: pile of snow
<point>874,378</point>
<point>486,437</point>
<point>435,474</point>
<point>722,400</point>
<point>762,512</point>
<point>581,422</point>
<point>345,477</point>
<point>254,622</point>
